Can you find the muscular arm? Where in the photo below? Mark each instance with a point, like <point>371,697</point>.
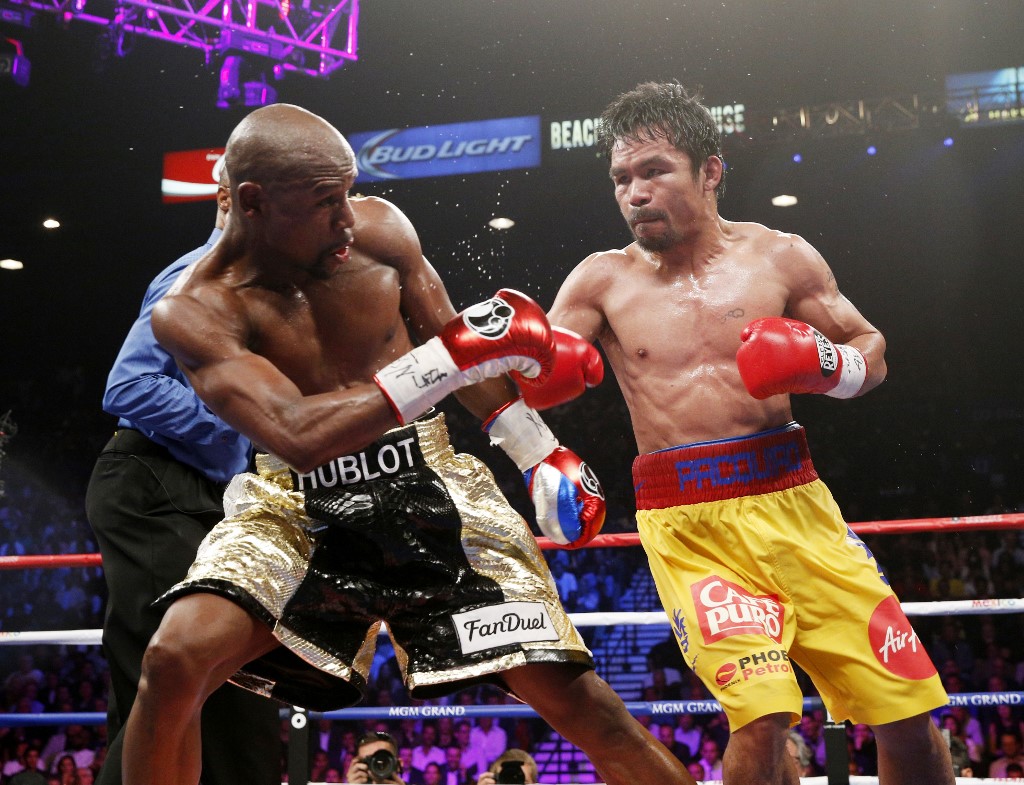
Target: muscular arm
<point>577,304</point>
<point>249,393</point>
<point>815,299</point>
<point>426,305</point>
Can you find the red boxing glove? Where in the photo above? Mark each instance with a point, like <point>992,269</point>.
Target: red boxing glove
<point>786,356</point>
<point>568,498</point>
<point>566,493</point>
<point>578,365</point>
<point>508,332</point>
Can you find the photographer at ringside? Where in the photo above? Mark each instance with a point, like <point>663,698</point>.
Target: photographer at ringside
<point>513,767</point>
<point>376,760</point>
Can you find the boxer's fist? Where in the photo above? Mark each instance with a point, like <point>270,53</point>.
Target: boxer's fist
<point>565,492</point>
<point>568,498</point>
<point>779,355</point>
<point>578,365</point>
<point>507,332</point>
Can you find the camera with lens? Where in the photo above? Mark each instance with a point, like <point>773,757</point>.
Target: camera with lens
<point>382,765</point>
<point>511,773</point>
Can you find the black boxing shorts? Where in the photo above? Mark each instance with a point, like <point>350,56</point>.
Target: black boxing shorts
<point>406,532</point>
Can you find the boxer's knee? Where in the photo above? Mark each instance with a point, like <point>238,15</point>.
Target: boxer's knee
<point>191,652</point>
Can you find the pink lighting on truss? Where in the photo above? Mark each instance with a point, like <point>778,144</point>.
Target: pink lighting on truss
<point>315,38</point>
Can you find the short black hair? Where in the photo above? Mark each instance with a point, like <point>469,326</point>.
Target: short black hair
<point>654,110</point>
<point>377,735</point>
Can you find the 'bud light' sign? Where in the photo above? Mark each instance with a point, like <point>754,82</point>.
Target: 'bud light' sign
<point>441,150</point>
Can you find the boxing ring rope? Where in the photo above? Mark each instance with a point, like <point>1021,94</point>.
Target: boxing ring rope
<point>599,619</point>
<point>299,717</point>
<point>1008,520</point>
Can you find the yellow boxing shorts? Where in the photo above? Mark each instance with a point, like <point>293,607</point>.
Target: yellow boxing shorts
<point>757,570</point>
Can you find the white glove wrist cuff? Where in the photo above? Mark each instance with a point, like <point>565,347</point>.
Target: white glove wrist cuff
<point>852,373</point>
<point>419,379</point>
<point>523,435</point>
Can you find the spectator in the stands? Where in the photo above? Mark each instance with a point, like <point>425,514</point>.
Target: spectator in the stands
<point>565,581</point>
<point>32,773</point>
<point>1009,551</point>
<point>666,735</point>
<point>863,750</point>
<point>445,732</point>
<point>16,757</point>
<point>66,770</point>
<point>427,750</point>
<point>688,733</point>
<point>966,755</point>
<point>454,772</point>
<point>665,684</point>
<point>432,774</point>
<point>318,766</point>
<point>412,776</point>
<point>1008,751</point>
<point>512,756</point>
<point>25,673</point>
<point>1004,720</point>
<point>813,735</point>
<point>951,644</point>
<point>711,758</point>
<point>487,741</point>
<point>77,746</point>
<point>801,754</point>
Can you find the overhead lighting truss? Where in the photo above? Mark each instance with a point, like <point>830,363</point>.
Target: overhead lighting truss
<point>313,37</point>
<point>846,118</point>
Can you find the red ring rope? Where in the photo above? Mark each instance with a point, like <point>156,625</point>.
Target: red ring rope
<point>910,525</point>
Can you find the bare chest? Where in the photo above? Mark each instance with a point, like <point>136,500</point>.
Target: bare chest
<point>333,333</point>
<point>680,325</point>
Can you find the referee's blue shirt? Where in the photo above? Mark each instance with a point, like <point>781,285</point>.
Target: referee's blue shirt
<point>148,392</point>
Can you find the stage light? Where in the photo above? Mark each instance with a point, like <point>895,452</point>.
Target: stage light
<point>948,141</point>
<point>784,200</point>
<point>51,223</point>
<point>872,150</point>
<point>501,223</point>
<point>233,91</point>
<point>797,158</point>
<point>13,63</point>
<point>10,264</point>
<point>228,90</point>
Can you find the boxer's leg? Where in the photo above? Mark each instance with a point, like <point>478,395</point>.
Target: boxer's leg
<point>583,708</point>
<point>202,640</point>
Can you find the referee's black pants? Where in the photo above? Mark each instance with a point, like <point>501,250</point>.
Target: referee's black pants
<point>149,513</point>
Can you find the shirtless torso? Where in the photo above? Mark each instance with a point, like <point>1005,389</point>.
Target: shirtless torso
<point>670,321</point>
<point>326,329</point>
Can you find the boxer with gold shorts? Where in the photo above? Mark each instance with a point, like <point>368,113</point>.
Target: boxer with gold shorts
<point>406,532</point>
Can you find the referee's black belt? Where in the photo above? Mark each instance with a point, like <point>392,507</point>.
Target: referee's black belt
<point>131,441</point>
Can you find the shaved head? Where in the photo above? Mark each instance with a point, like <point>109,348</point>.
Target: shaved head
<point>282,143</point>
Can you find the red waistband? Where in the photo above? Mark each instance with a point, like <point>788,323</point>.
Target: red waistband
<point>727,469</point>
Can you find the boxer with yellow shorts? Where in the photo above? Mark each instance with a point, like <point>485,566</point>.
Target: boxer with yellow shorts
<point>801,586</point>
